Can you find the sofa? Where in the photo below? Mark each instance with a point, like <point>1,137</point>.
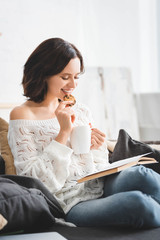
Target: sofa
<point>26,206</point>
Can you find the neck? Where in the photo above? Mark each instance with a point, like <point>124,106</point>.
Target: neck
<point>45,109</point>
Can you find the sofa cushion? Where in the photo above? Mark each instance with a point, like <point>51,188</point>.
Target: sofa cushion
<point>24,208</point>
<point>5,149</point>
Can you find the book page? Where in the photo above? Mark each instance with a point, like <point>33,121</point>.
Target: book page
<point>119,163</point>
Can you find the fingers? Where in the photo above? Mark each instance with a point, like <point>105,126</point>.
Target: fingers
<point>70,113</point>
<point>98,132</point>
<point>62,107</point>
<point>65,116</point>
<point>67,113</point>
<point>97,138</point>
<point>73,117</point>
<point>63,104</point>
<point>96,142</point>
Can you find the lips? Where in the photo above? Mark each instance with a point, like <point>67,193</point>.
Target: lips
<point>67,91</point>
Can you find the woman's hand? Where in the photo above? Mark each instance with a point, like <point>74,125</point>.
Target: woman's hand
<point>97,138</point>
<point>66,117</point>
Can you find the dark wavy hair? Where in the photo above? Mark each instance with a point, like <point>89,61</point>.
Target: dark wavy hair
<point>48,59</point>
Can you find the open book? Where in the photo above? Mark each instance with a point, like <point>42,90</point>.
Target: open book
<point>119,166</point>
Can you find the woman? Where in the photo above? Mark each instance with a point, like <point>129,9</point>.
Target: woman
<point>39,132</point>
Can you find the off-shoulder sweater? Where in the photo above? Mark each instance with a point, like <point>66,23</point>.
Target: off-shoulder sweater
<point>36,154</point>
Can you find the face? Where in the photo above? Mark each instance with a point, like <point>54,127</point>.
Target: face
<point>66,81</point>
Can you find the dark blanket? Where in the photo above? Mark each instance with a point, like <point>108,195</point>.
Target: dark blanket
<point>127,147</point>
<point>27,204</point>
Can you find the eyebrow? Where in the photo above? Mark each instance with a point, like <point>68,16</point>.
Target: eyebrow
<point>69,73</point>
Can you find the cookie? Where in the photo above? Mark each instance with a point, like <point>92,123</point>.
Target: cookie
<point>70,98</point>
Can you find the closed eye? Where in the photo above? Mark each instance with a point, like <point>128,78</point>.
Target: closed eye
<point>65,78</point>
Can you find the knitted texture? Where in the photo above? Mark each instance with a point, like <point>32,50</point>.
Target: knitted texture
<point>37,154</point>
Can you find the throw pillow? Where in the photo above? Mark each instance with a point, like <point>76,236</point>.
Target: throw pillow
<point>5,149</point>
<point>24,209</point>
<point>29,182</point>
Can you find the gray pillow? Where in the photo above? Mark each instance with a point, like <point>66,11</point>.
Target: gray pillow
<point>25,208</point>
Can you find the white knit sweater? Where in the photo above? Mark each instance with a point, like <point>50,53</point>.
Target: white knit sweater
<point>37,154</point>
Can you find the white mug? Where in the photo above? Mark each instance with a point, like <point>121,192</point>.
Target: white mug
<point>81,139</point>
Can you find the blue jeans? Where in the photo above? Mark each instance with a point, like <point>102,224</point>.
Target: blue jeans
<point>131,198</point>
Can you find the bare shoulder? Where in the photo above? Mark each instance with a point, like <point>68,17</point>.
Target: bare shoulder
<point>20,112</point>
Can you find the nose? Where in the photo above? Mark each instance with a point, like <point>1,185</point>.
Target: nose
<point>72,83</point>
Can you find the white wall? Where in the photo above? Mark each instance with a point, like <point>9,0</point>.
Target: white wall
<point>106,31</point>
<point>109,33</point>
<point>158,37</point>
<point>148,46</point>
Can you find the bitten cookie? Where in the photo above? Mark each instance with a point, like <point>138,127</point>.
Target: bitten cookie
<point>70,98</point>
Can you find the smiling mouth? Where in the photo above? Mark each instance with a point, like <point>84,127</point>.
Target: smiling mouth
<point>67,92</point>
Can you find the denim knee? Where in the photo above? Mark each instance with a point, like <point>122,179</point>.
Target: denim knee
<point>138,178</point>
<point>142,210</point>
<point>148,180</point>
